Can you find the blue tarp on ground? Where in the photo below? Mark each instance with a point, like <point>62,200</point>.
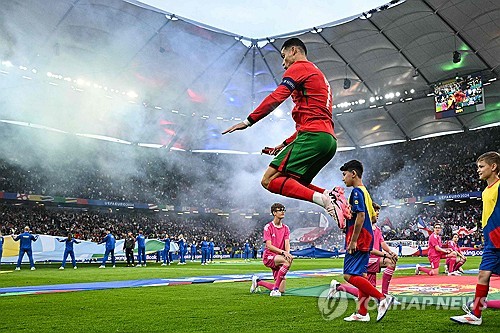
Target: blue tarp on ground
<point>313,252</point>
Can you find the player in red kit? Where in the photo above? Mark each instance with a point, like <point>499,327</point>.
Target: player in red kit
<point>300,157</point>
<point>277,252</point>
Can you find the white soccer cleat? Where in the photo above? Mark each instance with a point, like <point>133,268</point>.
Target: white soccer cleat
<point>254,286</point>
<point>453,274</point>
<point>61,268</point>
<point>468,318</point>
<point>164,264</point>
<point>384,306</point>
<point>138,265</point>
<point>75,267</point>
<point>114,266</point>
<point>331,208</point>
<point>18,269</point>
<point>275,293</point>
<point>144,265</point>
<point>417,272</point>
<point>334,284</point>
<point>358,317</point>
<point>102,266</point>
<point>33,268</point>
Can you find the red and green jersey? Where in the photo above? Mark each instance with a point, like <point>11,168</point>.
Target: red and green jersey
<point>311,94</point>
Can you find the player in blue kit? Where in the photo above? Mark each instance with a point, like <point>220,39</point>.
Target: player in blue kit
<point>204,250</point>
<point>211,250</point>
<point>182,250</point>
<point>247,251</point>
<point>25,247</point>
<point>68,250</point>
<point>110,248</point>
<point>359,243</point>
<point>192,257</point>
<point>141,249</point>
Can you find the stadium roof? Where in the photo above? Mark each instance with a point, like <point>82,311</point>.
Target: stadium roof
<point>125,70</point>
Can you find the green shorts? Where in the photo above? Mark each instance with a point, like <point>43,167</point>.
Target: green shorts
<point>306,155</point>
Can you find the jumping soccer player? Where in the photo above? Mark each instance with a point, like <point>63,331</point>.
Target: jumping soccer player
<point>68,250</point>
<point>301,156</point>
<point>488,167</point>
<point>359,243</point>
<point>25,247</point>
<point>435,253</point>
<point>277,255</point>
<point>141,249</point>
<point>110,248</point>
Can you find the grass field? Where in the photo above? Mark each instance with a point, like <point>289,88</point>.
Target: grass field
<point>220,307</point>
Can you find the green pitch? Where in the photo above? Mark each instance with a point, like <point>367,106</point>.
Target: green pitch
<point>219,307</point>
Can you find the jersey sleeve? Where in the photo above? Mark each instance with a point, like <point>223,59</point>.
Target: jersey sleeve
<point>287,233</point>
<point>357,201</point>
<point>267,233</point>
<point>292,78</point>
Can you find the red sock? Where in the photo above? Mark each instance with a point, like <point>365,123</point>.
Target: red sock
<point>386,279</point>
<point>281,275</point>
<point>315,188</point>
<point>365,287</point>
<point>426,270</point>
<point>480,298</point>
<point>348,289</point>
<point>291,188</point>
<point>362,303</point>
<point>451,264</point>
<point>372,277</point>
<point>267,285</point>
<point>458,265</point>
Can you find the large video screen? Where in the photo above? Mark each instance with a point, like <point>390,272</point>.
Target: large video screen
<point>458,96</point>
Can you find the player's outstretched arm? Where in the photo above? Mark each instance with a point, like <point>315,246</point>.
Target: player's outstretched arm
<point>237,127</point>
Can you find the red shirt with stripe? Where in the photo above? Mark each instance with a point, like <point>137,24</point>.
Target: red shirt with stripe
<point>311,94</point>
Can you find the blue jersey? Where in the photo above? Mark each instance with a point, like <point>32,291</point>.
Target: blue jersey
<point>167,243</point>
<point>361,201</point>
<point>247,247</point>
<point>211,246</point>
<point>69,243</point>
<point>181,244</point>
<point>141,241</point>
<point>1,243</point>
<point>193,248</point>
<point>110,242</point>
<point>26,239</point>
<point>204,245</point>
